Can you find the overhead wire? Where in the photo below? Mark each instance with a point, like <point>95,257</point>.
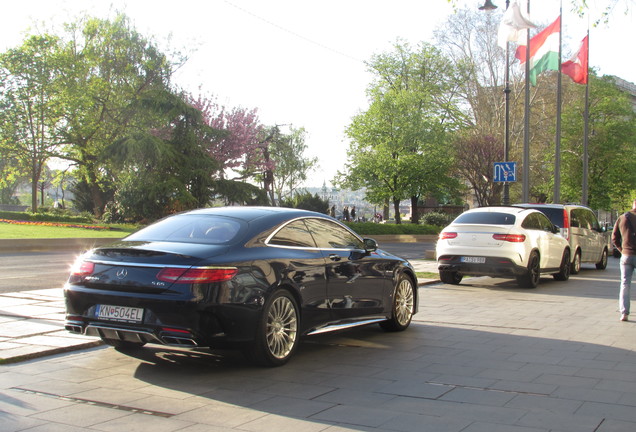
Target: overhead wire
<point>293,33</point>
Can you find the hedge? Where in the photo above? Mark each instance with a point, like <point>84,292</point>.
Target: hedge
<point>370,228</point>
<point>44,217</point>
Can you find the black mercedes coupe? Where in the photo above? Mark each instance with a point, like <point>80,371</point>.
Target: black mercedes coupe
<point>252,278</point>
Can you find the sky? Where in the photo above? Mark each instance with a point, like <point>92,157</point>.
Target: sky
<point>301,62</point>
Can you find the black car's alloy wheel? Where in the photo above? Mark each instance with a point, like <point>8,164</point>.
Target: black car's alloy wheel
<point>277,334</point>
<point>403,305</point>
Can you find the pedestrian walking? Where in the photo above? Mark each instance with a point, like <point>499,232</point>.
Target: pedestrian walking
<point>624,237</point>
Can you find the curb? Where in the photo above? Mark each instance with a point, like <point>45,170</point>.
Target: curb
<point>48,244</point>
<point>50,351</point>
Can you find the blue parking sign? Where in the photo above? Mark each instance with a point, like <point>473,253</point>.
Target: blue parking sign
<point>505,171</point>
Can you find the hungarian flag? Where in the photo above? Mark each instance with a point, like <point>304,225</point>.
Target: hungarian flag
<point>544,51</point>
<point>576,68</point>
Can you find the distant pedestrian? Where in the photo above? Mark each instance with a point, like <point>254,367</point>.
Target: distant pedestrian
<point>332,211</point>
<point>345,214</point>
<point>624,237</point>
<point>353,213</point>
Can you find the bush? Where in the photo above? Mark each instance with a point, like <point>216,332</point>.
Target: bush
<point>46,217</point>
<point>436,219</point>
<point>370,229</point>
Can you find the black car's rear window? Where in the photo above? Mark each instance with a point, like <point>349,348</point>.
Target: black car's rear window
<point>204,229</point>
<point>486,218</point>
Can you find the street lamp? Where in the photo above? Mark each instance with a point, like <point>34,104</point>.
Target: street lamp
<point>489,6</point>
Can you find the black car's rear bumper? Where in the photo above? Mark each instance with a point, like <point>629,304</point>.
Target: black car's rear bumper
<point>176,320</point>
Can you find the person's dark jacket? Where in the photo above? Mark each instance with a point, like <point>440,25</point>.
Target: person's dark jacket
<point>624,236</point>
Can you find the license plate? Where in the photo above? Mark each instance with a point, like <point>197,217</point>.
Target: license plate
<point>120,313</point>
<point>473,260</point>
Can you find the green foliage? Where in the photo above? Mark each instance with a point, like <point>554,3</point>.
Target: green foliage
<point>370,229</point>
<point>238,192</point>
<point>398,146</point>
<point>436,219</point>
<point>52,216</point>
<point>291,167</point>
<point>611,150</point>
<point>307,201</point>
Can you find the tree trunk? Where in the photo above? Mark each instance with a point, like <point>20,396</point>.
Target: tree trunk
<point>396,207</point>
<point>415,216</point>
<point>35,179</point>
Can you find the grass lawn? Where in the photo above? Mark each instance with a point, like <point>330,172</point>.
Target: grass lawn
<point>11,231</point>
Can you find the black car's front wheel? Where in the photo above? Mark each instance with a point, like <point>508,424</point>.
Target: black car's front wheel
<point>403,305</point>
<point>277,333</point>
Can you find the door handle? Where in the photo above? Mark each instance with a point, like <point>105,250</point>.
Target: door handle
<point>334,257</point>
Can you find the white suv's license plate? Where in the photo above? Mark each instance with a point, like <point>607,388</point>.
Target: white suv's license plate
<point>473,260</point>
<point>120,313</point>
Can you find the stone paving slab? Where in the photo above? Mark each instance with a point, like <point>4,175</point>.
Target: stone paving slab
<point>481,356</point>
<point>30,322</point>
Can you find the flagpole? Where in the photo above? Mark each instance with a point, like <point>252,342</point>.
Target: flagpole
<point>526,130</point>
<point>557,149</point>
<point>506,187</point>
<point>586,116</point>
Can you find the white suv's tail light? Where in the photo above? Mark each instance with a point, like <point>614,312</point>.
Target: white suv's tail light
<point>513,238</point>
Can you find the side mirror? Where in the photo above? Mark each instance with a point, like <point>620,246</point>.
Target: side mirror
<point>370,245</point>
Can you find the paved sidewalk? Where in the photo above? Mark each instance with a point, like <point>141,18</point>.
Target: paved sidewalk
<point>32,322</point>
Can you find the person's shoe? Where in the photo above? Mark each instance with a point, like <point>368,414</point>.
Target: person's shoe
<point>624,317</point>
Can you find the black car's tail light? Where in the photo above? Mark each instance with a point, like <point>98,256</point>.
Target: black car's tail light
<point>82,268</point>
<point>513,238</point>
<point>196,275</point>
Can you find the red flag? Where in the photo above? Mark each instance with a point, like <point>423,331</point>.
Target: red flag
<point>576,67</point>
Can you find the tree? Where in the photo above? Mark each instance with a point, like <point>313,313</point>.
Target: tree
<point>106,70</point>
<point>397,147</point>
<point>11,177</point>
<point>307,201</point>
<point>611,150</point>
<point>290,166</point>
<point>31,114</point>
<point>474,160</point>
<point>164,170</point>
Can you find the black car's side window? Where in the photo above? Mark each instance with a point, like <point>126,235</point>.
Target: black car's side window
<point>294,234</point>
<point>329,235</point>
